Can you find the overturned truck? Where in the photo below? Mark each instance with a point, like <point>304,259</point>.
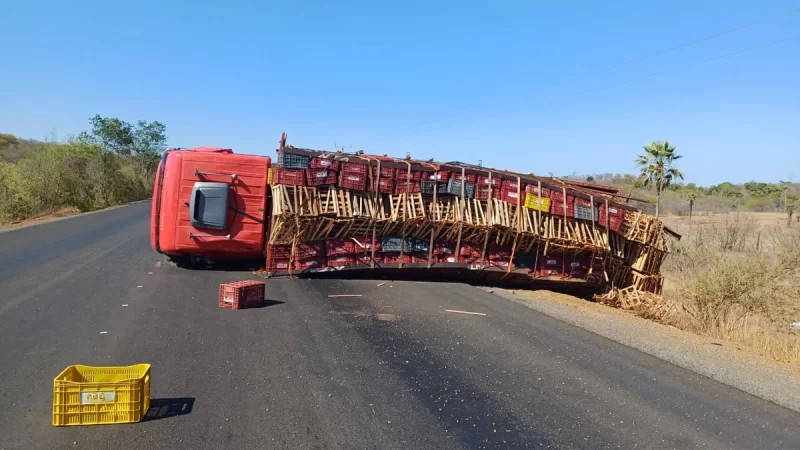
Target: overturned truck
<point>335,213</point>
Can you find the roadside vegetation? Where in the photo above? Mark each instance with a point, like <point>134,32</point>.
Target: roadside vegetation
<point>735,274</point>
<point>112,164</point>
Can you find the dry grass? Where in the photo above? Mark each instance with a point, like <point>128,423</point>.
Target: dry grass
<point>737,277</point>
<point>62,212</point>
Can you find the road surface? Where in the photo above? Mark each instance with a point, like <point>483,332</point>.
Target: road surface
<point>391,369</point>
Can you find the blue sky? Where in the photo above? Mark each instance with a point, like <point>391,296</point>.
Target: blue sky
<point>452,80</point>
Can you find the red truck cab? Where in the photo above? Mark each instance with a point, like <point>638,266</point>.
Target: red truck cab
<point>210,202</point>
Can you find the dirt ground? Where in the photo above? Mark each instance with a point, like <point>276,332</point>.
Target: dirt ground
<point>64,212</point>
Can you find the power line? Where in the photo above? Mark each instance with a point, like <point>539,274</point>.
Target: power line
<point>696,63</point>
<point>686,44</point>
<point>645,57</point>
<point>630,80</point>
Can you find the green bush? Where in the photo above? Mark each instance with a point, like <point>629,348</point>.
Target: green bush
<point>73,174</point>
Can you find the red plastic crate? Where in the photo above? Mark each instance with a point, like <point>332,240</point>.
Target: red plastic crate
<point>354,168</point>
<point>534,189</point>
<point>278,265</point>
<point>501,263</point>
<point>441,175</point>
<point>512,185</point>
<point>385,186</point>
<point>484,181</point>
<point>324,163</point>
<point>339,247</point>
<point>470,259</point>
<point>316,262</point>
<point>341,260</point>
<point>510,195</point>
<point>308,249</point>
<point>364,245</point>
<point>582,202</point>
<point>303,250</point>
<point>355,181</point>
<point>366,260</point>
<point>445,259</point>
<point>498,252</point>
<point>551,265</point>
<point>615,217</point>
<point>402,186</point>
<point>469,250</point>
<point>395,258</point>
<point>386,172</point>
<point>402,175</point>
<point>482,192</point>
<point>319,177</point>
<point>280,251</point>
<point>557,205</point>
<point>444,248</point>
<point>421,258</point>
<point>241,294</point>
<point>295,177</point>
<point>470,178</point>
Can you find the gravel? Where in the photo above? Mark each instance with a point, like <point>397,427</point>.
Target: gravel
<point>719,360</point>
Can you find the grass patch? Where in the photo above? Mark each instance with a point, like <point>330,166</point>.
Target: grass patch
<point>737,277</point>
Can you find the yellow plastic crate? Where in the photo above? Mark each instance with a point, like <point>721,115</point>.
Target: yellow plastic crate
<point>84,395</point>
<point>532,201</point>
<point>270,175</point>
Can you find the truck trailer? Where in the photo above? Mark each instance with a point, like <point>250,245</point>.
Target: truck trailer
<point>320,212</point>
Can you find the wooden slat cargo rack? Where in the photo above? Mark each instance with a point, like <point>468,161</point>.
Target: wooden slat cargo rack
<point>336,211</point>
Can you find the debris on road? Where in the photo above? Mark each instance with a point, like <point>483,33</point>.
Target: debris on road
<point>241,294</point>
<point>381,284</point>
<point>104,332</point>
<point>465,312</point>
<point>344,295</point>
<point>796,326</point>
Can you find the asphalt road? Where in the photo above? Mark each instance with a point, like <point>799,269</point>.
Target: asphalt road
<point>391,369</point>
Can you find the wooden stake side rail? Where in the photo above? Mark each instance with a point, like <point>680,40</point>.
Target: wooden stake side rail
<point>632,257</point>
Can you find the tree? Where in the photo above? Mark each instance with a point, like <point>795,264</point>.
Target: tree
<point>7,140</point>
<point>657,168</point>
<point>691,197</point>
<point>141,143</point>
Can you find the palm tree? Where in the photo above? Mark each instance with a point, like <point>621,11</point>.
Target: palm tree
<point>657,168</point>
<point>691,196</point>
<point>784,187</point>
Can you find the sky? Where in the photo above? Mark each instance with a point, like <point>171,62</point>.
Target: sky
<point>542,87</point>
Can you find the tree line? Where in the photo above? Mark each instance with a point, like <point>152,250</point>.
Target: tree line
<point>112,163</point>
<point>659,179</point>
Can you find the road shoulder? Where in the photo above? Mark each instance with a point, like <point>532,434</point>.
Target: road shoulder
<point>65,214</point>
<point>719,360</point>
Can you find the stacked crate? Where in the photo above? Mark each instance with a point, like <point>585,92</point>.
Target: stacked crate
<point>353,176</point>
<point>333,205</point>
<point>322,172</point>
